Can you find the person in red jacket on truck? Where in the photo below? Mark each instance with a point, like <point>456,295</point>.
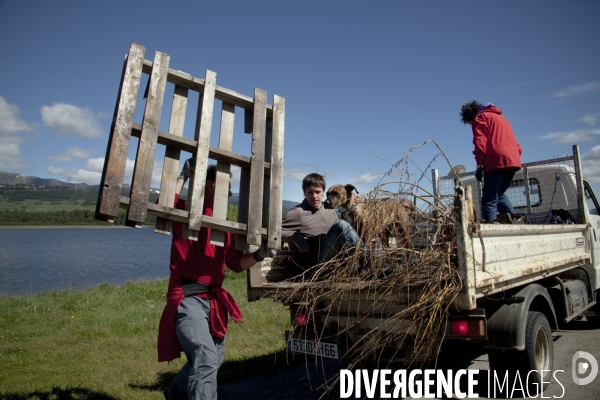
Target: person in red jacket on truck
<point>498,156</point>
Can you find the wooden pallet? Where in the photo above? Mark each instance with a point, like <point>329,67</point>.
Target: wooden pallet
<point>259,215</point>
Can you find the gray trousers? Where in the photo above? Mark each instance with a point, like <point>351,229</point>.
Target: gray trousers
<point>197,380</point>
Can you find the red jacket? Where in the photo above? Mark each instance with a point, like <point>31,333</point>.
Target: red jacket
<point>200,262</point>
<point>494,140</point>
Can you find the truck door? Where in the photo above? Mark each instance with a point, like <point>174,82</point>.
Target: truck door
<point>592,206</point>
<point>594,219</point>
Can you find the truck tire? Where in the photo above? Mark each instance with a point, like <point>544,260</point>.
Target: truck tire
<point>538,355</point>
<point>539,349</point>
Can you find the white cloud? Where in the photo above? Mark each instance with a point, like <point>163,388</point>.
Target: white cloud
<point>90,173</point>
<point>580,135</point>
<point>367,178</point>
<point>590,163</point>
<point>577,89</point>
<point>75,175</point>
<point>67,119</point>
<point>97,164</point>
<point>10,143</point>
<point>9,146</point>
<point>10,159</point>
<point>295,174</point>
<point>298,174</point>
<point>68,155</point>
<point>591,118</point>
<point>235,177</point>
<point>10,122</point>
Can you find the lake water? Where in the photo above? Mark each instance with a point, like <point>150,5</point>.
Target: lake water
<point>34,260</point>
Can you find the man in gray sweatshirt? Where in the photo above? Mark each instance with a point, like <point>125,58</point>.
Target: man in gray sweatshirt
<point>316,231</point>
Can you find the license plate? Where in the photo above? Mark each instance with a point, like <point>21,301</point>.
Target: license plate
<point>328,350</point>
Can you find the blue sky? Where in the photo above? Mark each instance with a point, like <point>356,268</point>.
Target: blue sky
<point>364,81</point>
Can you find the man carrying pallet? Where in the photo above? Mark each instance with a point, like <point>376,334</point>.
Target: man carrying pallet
<point>194,319</point>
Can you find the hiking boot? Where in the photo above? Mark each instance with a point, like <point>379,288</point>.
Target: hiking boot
<point>519,219</point>
<point>503,219</point>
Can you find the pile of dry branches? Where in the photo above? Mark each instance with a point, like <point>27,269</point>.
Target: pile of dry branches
<point>405,283</point>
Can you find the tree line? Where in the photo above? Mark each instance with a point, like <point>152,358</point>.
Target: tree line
<point>15,193</point>
<point>61,217</point>
<point>19,192</point>
<point>75,217</point>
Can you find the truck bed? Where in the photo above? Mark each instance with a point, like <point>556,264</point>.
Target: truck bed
<point>519,254</point>
<point>499,257</point>
<point>495,258</point>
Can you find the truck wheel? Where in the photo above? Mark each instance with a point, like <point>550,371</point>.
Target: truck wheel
<point>539,350</point>
<point>537,356</point>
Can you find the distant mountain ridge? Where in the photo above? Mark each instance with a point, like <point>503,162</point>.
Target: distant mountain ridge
<point>7,178</point>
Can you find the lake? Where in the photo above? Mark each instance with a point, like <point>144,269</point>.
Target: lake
<point>33,260</point>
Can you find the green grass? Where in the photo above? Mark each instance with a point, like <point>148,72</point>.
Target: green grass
<point>45,206</point>
<point>101,343</point>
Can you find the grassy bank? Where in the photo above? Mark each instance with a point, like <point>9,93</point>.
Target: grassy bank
<point>74,217</point>
<point>101,343</point>
<point>45,205</point>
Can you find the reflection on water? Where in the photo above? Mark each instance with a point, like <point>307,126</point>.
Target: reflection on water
<point>34,260</point>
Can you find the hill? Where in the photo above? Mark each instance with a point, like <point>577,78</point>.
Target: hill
<point>30,194</point>
<point>7,178</point>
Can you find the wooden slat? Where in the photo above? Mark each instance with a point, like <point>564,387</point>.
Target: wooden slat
<point>189,146</point>
<point>202,136</point>
<point>175,214</point>
<point>238,99</point>
<point>157,210</point>
<point>276,178</point>
<point>178,78</point>
<point>226,95</point>
<point>241,243</point>
<point>233,158</point>
<point>230,226</point>
<point>144,164</point>
<point>188,233</point>
<point>170,172</point>
<point>580,186</point>
<point>217,238</point>
<point>257,169</point>
<point>267,179</point>
<point>115,160</point>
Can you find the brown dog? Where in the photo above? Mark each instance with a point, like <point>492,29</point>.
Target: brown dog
<point>374,219</point>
